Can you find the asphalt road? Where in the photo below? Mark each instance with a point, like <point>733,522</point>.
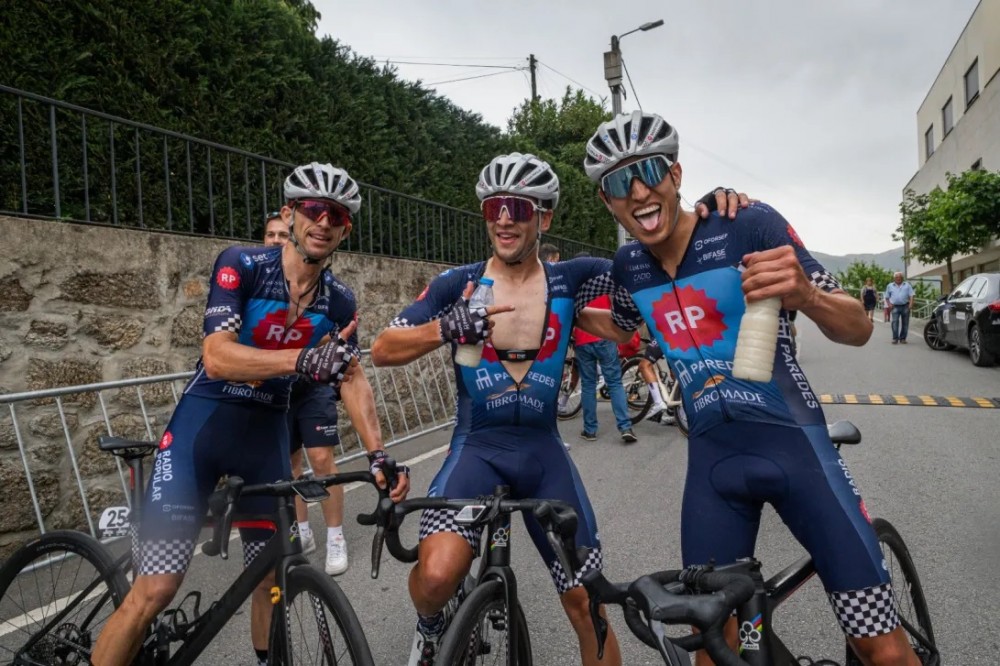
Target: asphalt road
<point>932,471</point>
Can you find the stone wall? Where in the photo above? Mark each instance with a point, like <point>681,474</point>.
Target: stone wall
<point>82,304</point>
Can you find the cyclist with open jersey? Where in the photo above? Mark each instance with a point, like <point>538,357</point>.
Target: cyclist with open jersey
<point>750,442</point>
<point>272,314</point>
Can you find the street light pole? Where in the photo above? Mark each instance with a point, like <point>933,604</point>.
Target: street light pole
<point>613,75</point>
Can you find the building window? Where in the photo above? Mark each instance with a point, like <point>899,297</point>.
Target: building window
<point>929,142</point>
<point>947,119</point>
<point>977,165</point>
<point>972,83</point>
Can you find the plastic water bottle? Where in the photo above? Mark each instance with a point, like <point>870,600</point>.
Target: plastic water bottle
<point>469,355</point>
<point>757,341</point>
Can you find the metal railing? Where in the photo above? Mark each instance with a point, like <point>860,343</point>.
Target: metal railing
<point>411,401</point>
<point>64,161</point>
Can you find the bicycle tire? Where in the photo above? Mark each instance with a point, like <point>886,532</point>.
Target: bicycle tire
<point>484,613</point>
<point>43,578</point>
<point>636,391</point>
<point>308,622</point>
<point>571,390</point>
<point>909,593</point>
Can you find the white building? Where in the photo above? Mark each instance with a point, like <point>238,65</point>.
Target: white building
<point>958,128</point>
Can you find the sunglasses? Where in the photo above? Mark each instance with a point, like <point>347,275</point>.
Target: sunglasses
<point>650,171</point>
<point>518,209</point>
<point>314,209</point>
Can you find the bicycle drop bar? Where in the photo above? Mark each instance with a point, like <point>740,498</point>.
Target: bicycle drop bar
<point>222,502</point>
<point>557,518</point>
<point>665,597</point>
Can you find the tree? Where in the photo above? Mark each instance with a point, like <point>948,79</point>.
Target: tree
<point>853,278</point>
<point>959,220</point>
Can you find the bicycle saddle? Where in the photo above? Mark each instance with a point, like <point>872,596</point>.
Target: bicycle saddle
<point>844,432</point>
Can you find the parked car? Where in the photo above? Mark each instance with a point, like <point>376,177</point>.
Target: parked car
<point>969,318</point>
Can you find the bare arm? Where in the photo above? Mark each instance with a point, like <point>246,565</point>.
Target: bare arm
<point>598,322</point>
<point>225,358</point>
<point>777,272</point>
<point>399,346</point>
<point>359,401</point>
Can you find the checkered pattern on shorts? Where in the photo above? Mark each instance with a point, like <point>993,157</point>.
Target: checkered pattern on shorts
<point>866,613</point>
<point>433,521</point>
<point>162,556</point>
<point>824,280</point>
<point>591,289</point>
<point>231,324</point>
<point>252,549</point>
<point>594,561</point>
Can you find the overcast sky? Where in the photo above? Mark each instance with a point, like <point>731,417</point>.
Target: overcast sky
<point>809,106</point>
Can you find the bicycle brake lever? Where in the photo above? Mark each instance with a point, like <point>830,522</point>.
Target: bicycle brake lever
<point>600,624</point>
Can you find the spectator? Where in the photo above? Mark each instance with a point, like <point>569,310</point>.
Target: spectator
<point>869,296</point>
<point>548,253</point>
<point>591,351</point>
<point>899,297</point>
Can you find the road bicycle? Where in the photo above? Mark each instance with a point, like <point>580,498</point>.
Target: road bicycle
<point>489,625</point>
<point>58,590</point>
<point>638,393</point>
<point>706,597</point>
<point>570,393</point>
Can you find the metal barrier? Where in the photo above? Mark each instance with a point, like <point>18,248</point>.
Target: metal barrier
<point>411,401</point>
<point>71,163</point>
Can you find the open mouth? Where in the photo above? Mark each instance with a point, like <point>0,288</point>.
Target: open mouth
<point>648,217</point>
<point>506,238</point>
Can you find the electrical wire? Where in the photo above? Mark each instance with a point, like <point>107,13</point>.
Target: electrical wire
<point>469,78</point>
<point>629,77</point>
<point>447,64</point>
<point>573,81</point>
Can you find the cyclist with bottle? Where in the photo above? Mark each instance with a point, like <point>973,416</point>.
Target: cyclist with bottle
<point>272,314</point>
<point>751,442</point>
<point>507,428</point>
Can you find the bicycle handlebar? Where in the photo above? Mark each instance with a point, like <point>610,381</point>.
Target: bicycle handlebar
<point>558,519</point>
<point>222,502</point>
<point>660,598</point>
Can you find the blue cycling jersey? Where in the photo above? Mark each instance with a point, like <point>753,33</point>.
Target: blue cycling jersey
<point>488,397</point>
<point>695,317</point>
<point>249,296</point>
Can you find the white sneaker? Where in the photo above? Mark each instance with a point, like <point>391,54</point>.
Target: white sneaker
<point>655,411</point>
<point>566,444</point>
<point>561,402</point>
<point>336,556</point>
<point>667,419</point>
<point>308,542</point>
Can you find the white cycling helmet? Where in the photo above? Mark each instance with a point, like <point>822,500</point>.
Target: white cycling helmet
<point>525,174</point>
<point>323,181</point>
<point>627,136</point>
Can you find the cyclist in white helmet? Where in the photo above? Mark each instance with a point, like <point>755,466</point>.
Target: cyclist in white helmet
<point>272,314</point>
<point>750,442</point>
<point>507,430</point>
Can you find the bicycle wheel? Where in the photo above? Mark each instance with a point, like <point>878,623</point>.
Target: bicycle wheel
<point>636,390</point>
<point>569,392</point>
<point>910,600</point>
<point>56,593</point>
<point>681,418</point>
<point>320,625</point>
<point>478,634</point>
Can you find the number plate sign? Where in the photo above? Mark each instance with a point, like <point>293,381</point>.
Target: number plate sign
<point>114,522</point>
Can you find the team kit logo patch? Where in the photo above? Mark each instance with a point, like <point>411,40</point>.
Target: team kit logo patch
<point>271,332</point>
<point>687,318</point>
<point>227,278</point>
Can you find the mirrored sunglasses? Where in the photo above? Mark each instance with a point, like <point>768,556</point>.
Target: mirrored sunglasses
<point>518,209</point>
<point>651,171</point>
<point>314,209</point>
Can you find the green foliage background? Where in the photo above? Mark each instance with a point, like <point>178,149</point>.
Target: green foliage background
<point>253,75</point>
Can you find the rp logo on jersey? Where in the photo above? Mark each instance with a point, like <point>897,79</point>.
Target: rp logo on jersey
<point>687,317</point>
<point>271,333</point>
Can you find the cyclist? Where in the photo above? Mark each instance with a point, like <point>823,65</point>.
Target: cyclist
<point>647,370</point>
<point>312,427</point>
<point>272,313</point>
<point>507,429</point>
<point>750,442</point>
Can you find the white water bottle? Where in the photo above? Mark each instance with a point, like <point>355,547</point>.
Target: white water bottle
<point>469,355</point>
<point>757,341</point>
